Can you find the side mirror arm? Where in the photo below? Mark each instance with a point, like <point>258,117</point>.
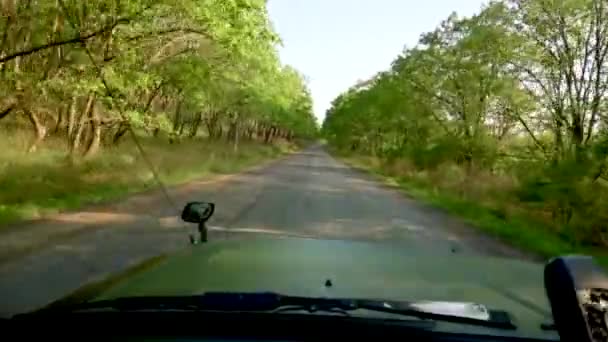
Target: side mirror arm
<point>202,230</point>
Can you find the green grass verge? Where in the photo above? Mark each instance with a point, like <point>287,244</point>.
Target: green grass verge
<point>46,181</point>
<point>91,291</point>
<point>519,231</point>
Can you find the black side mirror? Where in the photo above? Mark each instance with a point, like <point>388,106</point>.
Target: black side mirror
<point>198,212</point>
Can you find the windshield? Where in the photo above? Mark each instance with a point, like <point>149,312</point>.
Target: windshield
<point>398,150</point>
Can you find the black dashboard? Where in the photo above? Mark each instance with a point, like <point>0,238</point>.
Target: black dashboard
<point>220,326</point>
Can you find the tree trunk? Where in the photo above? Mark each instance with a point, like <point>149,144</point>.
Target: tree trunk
<point>18,60</point>
<point>39,129</point>
<point>177,117</point>
<point>71,112</point>
<point>8,8</point>
<point>236,136</point>
<point>96,133</point>
<point>6,111</point>
<point>81,125</point>
<point>195,125</point>
<point>60,119</point>
<point>213,126</point>
<point>267,135</point>
<point>182,126</point>
<point>123,128</point>
<point>231,134</point>
<point>259,131</point>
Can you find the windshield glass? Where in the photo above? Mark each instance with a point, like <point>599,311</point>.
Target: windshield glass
<point>398,150</point>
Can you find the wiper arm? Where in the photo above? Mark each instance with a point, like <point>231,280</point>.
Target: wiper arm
<point>492,318</point>
<point>274,302</point>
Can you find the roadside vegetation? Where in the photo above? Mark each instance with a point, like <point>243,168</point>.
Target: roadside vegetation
<point>97,96</point>
<point>41,183</point>
<point>499,118</point>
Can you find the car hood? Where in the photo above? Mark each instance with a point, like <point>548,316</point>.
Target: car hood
<point>356,270</point>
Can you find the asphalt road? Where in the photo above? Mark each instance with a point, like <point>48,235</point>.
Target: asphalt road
<point>307,194</point>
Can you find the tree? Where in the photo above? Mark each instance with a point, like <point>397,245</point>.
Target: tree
<point>518,90</point>
<point>561,61</point>
<point>93,72</point>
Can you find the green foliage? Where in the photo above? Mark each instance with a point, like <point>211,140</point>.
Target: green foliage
<point>187,77</point>
<point>209,63</point>
<point>513,97</point>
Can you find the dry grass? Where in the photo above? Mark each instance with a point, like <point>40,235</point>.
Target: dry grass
<point>46,181</point>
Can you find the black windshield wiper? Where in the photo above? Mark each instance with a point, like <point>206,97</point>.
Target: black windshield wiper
<point>274,302</point>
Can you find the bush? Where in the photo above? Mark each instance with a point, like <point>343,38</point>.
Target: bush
<point>575,200</point>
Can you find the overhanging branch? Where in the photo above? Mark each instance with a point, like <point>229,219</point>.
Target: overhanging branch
<point>79,39</point>
<point>168,31</point>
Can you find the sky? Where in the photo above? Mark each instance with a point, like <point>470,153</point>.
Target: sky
<point>335,43</point>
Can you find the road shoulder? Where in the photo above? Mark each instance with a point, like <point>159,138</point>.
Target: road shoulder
<point>465,230</point>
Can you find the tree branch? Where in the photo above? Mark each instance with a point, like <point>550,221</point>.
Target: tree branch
<point>168,31</point>
<point>536,141</point>
<point>74,40</point>
<point>7,111</point>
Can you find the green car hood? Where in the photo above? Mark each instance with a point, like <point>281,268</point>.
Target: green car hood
<point>356,270</point>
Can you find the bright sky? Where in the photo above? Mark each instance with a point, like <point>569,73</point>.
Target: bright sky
<point>335,43</point>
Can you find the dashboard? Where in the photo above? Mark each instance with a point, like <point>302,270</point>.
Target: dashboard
<point>221,326</point>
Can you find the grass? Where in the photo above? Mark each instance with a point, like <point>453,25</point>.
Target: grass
<point>522,231</point>
<point>93,290</point>
<point>45,182</point>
